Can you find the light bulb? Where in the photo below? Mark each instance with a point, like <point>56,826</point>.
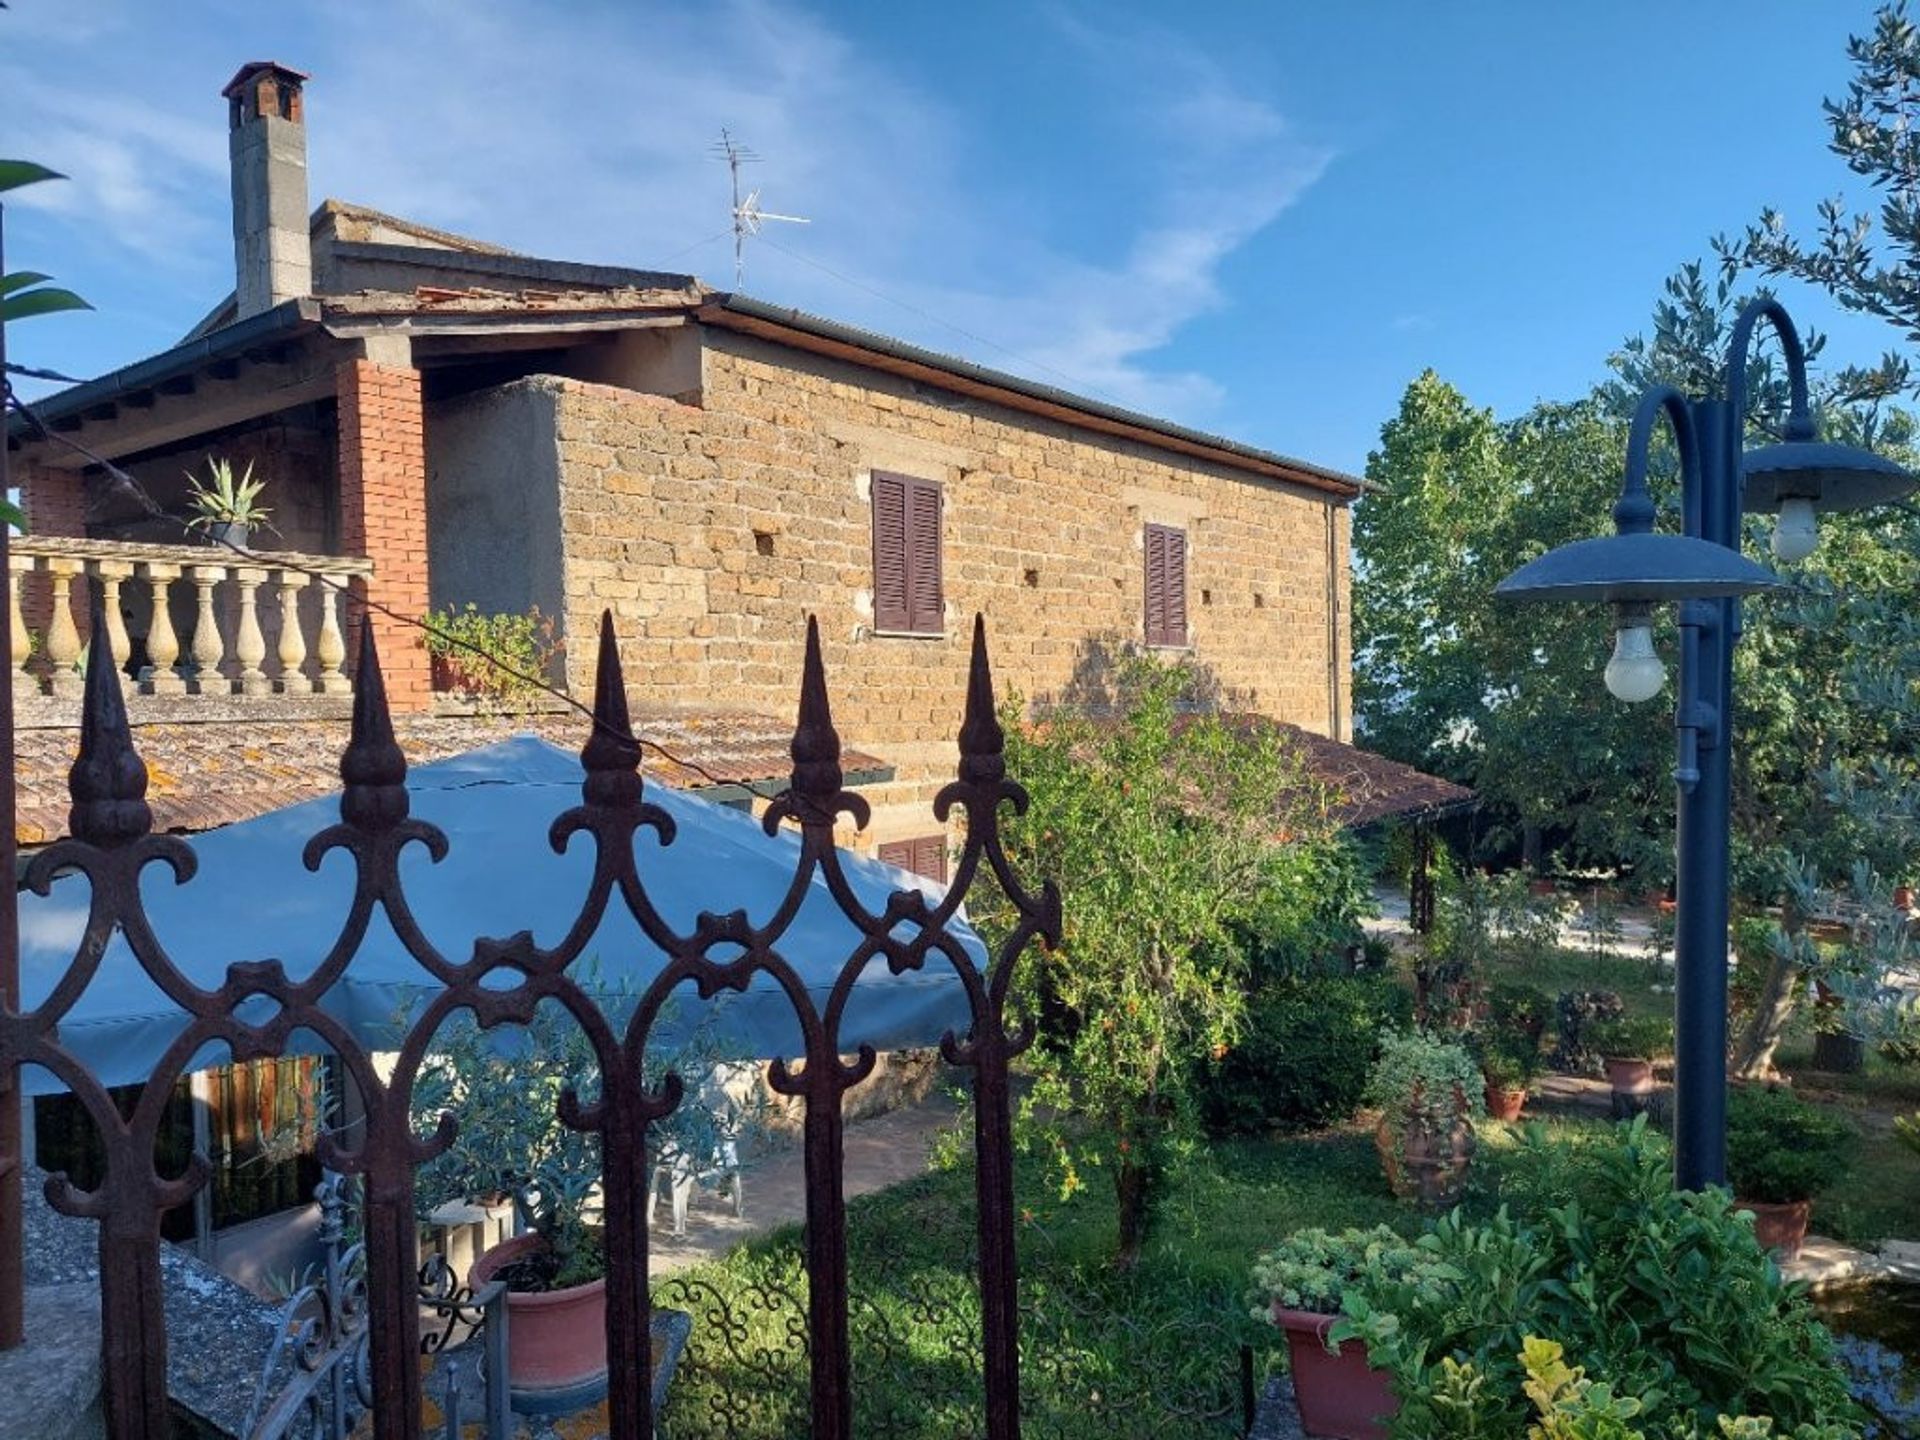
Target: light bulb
<point>1796,532</point>
<point>1635,673</point>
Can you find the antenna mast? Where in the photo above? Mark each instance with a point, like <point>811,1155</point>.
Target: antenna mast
<point>747,214</point>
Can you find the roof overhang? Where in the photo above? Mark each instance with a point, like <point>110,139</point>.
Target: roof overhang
<point>270,336</point>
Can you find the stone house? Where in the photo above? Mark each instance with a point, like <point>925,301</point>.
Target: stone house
<point>442,422</point>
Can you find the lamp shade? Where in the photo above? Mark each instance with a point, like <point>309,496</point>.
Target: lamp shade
<point>1637,567</point>
<point>1833,477</point>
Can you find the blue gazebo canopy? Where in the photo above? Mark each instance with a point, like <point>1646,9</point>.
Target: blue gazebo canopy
<point>253,899</point>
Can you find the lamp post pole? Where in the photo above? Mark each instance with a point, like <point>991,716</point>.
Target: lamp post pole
<point>1704,571</point>
<point>1703,832</point>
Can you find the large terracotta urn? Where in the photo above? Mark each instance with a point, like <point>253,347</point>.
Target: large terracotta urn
<point>1427,1167</point>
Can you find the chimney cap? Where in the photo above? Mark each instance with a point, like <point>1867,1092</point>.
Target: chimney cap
<point>254,67</point>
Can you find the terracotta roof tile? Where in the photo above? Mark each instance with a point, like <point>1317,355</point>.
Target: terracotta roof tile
<point>1370,787</point>
<point>201,776</point>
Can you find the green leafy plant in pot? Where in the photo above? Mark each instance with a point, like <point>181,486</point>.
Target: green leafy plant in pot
<point>1509,1063</point>
<point>1300,1286</point>
<point>226,507</point>
<point>1781,1152</point>
<point>1630,1046</point>
<point>505,1089</point>
<point>1429,1091</point>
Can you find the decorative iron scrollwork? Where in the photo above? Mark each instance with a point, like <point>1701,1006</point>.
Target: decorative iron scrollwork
<point>374,1301</point>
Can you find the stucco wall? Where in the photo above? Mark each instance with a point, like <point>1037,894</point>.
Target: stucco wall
<point>713,531</point>
<point>493,536</point>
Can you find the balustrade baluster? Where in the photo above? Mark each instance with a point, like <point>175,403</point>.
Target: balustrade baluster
<point>112,573</point>
<point>330,647</point>
<point>208,647</point>
<point>63,636</point>
<point>158,676</point>
<point>249,642</point>
<point>25,682</point>
<point>293,641</point>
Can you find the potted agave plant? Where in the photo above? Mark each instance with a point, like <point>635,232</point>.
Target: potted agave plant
<point>1300,1287</point>
<point>1429,1091</point>
<point>505,1090</point>
<point>226,507</point>
<point>1781,1152</point>
<point>1630,1046</point>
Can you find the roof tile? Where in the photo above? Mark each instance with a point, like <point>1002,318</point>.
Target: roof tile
<point>201,776</point>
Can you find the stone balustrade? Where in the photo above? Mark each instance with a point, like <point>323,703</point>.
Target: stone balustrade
<point>182,620</point>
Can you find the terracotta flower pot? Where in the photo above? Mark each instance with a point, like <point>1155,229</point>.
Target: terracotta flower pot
<point>1781,1228</point>
<point>1505,1104</point>
<point>556,1339</point>
<point>1426,1168</point>
<point>1627,1075</point>
<point>1340,1394</point>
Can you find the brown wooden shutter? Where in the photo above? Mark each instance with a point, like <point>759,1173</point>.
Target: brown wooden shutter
<point>926,855</point>
<point>907,591</point>
<point>925,602</point>
<point>1166,585</point>
<point>1175,542</point>
<point>891,604</point>
<point>930,857</point>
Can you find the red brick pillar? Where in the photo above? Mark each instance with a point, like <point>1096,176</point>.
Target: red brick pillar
<point>55,500</point>
<point>383,513</point>
<point>56,504</point>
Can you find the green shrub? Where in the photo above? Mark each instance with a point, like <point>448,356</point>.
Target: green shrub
<point>1309,920</point>
<point>1303,1055</point>
<point>1633,1037</point>
<point>1519,1010</point>
<point>1781,1150</point>
<point>1657,1294</point>
<point>500,659</point>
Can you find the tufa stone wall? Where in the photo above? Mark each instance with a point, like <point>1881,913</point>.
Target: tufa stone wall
<point>711,531</point>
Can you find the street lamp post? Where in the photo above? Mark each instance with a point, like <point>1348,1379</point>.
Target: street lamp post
<point>1704,572</point>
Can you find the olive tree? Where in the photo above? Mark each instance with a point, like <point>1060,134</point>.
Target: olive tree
<point>1167,828</point>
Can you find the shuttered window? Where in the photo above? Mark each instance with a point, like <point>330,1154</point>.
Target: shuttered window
<point>907,594</point>
<point>925,856</point>
<point>1166,585</point>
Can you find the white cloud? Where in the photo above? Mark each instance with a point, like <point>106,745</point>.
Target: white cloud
<point>588,138</point>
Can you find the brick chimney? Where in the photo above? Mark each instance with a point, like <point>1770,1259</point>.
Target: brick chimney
<point>267,146</point>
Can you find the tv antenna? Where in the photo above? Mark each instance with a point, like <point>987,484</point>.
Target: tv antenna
<point>748,217</point>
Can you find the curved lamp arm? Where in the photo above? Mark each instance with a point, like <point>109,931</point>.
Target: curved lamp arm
<point>1633,512</point>
<point>1800,415</point>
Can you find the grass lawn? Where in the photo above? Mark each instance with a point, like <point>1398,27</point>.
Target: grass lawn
<point>1154,1353</point>
<point>1880,1199</point>
<point>1571,969</point>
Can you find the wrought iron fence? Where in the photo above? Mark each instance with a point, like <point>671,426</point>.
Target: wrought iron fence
<point>502,983</point>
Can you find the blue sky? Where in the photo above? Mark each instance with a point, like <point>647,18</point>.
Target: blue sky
<point>1257,219</point>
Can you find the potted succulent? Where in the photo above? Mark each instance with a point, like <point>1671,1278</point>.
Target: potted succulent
<point>505,1088</point>
<point>1629,1046</point>
<point>226,507</point>
<point>1429,1091</point>
<point>1300,1286</point>
<point>1781,1152</point>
